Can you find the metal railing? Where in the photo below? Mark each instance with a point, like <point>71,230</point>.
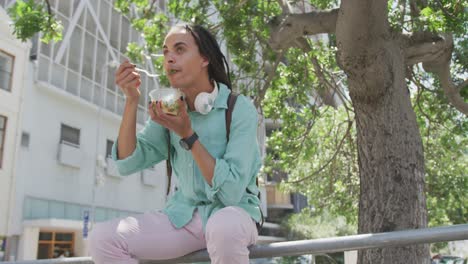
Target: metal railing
<point>315,246</point>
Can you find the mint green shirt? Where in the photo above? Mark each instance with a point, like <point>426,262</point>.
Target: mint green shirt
<point>237,162</point>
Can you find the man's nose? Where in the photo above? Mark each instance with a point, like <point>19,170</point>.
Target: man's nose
<point>170,58</point>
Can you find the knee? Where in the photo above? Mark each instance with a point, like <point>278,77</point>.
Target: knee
<point>104,237</point>
<point>98,237</point>
<point>223,231</point>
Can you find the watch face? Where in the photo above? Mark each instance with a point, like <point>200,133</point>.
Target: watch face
<point>184,144</point>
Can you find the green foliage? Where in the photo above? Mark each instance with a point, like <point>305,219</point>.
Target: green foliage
<point>317,168</point>
<point>433,19</point>
<point>30,17</point>
<point>316,145</point>
<point>135,52</point>
<point>444,133</point>
<point>310,225</point>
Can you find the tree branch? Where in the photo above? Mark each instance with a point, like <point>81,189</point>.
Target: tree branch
<point>271,72</point>
<point>49,11</point>
<point>435,52</point>
<point>283,6</point>
<point>425,47</point>
<point>350,124</point>
<point>331,88</point>
<point>285,29</point>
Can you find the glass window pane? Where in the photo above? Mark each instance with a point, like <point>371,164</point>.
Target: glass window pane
<point>101,214</point>
<point>6,62</point>
<point>58,76</point>
<point>24,139</point>
<point>104,10</point>
<point>2,133</point>
<point>90,24</point>
<point>75,50</point>
<point>88,61</point>
<point>124,37</point>
<point>70,135</point>
<point>45,236</point>
<point>2,122</point>
<point>39,209</point>
<point>114,34</point>
<point>64,7</point>
<point>72,82</point>
<point>110,101</point>
<point>86,91</point>
<point>43,251</point>
<point>109,145</point>
<point>110,78</point>
<point>63,236</point>
<point>73,211</point>
<point>6,68</point>
<point>43,74</point>
<point>56,210</point>
<point>97,95</point>
<point>75,9</point>
<point>45,48</point>
<point>100,61</point>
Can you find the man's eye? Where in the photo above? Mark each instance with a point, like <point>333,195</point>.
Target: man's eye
<point>179,50</point>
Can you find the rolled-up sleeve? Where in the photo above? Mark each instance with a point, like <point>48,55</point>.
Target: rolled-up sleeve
<point>241,161</point>
<point>151,148</point>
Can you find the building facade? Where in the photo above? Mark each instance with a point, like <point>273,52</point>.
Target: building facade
<point>13,71</point>
<point>61,132</point>
<point>59,115</point>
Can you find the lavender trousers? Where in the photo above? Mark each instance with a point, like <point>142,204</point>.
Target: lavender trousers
<point>151,235</point>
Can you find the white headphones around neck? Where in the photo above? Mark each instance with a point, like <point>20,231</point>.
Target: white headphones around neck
<point>204,102</point>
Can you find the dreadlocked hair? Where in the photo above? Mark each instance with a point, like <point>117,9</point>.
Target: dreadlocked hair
<point>218,68</point>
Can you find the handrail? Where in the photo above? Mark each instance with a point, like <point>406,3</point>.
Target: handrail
<point>314,246</point>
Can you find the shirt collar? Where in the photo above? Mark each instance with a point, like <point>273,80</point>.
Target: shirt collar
<point>221,99</point>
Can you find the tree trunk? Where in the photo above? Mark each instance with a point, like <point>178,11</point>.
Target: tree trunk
<point>391,159</point>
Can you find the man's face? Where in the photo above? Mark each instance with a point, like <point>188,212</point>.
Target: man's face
<point>183,63</point>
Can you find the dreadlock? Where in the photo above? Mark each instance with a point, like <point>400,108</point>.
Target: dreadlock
<point>218,68</point>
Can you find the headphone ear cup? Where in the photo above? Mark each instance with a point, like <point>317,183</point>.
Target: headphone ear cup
<point>202,103</point>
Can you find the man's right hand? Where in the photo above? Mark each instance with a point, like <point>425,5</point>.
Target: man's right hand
<point>128,80</point>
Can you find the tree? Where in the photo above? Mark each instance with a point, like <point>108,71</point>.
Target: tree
<point>374,49</point>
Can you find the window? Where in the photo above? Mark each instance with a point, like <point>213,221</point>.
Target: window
<point>109,145</point>
<point>6,70</point>
<point>3,123</point>
<point>70,135</point>
<point>55,245</point>
<point>25,139</point>
<point>2,246</point>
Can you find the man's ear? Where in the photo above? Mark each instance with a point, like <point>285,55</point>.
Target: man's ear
<point>205,61</point>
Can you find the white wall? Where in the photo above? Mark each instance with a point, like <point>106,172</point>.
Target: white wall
<point>10,107</point>
<point>43,177</point>
<point>28,244</point>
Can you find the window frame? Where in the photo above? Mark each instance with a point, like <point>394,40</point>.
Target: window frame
<point>10,83</point>
<point>109,154</point>
<point>52,242</point>
<point>62,140</point>
<point>2,146</point>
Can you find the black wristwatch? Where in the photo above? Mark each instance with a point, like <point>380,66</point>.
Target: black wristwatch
<point>187,143</point>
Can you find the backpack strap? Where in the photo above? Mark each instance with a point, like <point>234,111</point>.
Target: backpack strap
<point>168,162</point>
<point>230,104</point>
<point>232,98</point>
